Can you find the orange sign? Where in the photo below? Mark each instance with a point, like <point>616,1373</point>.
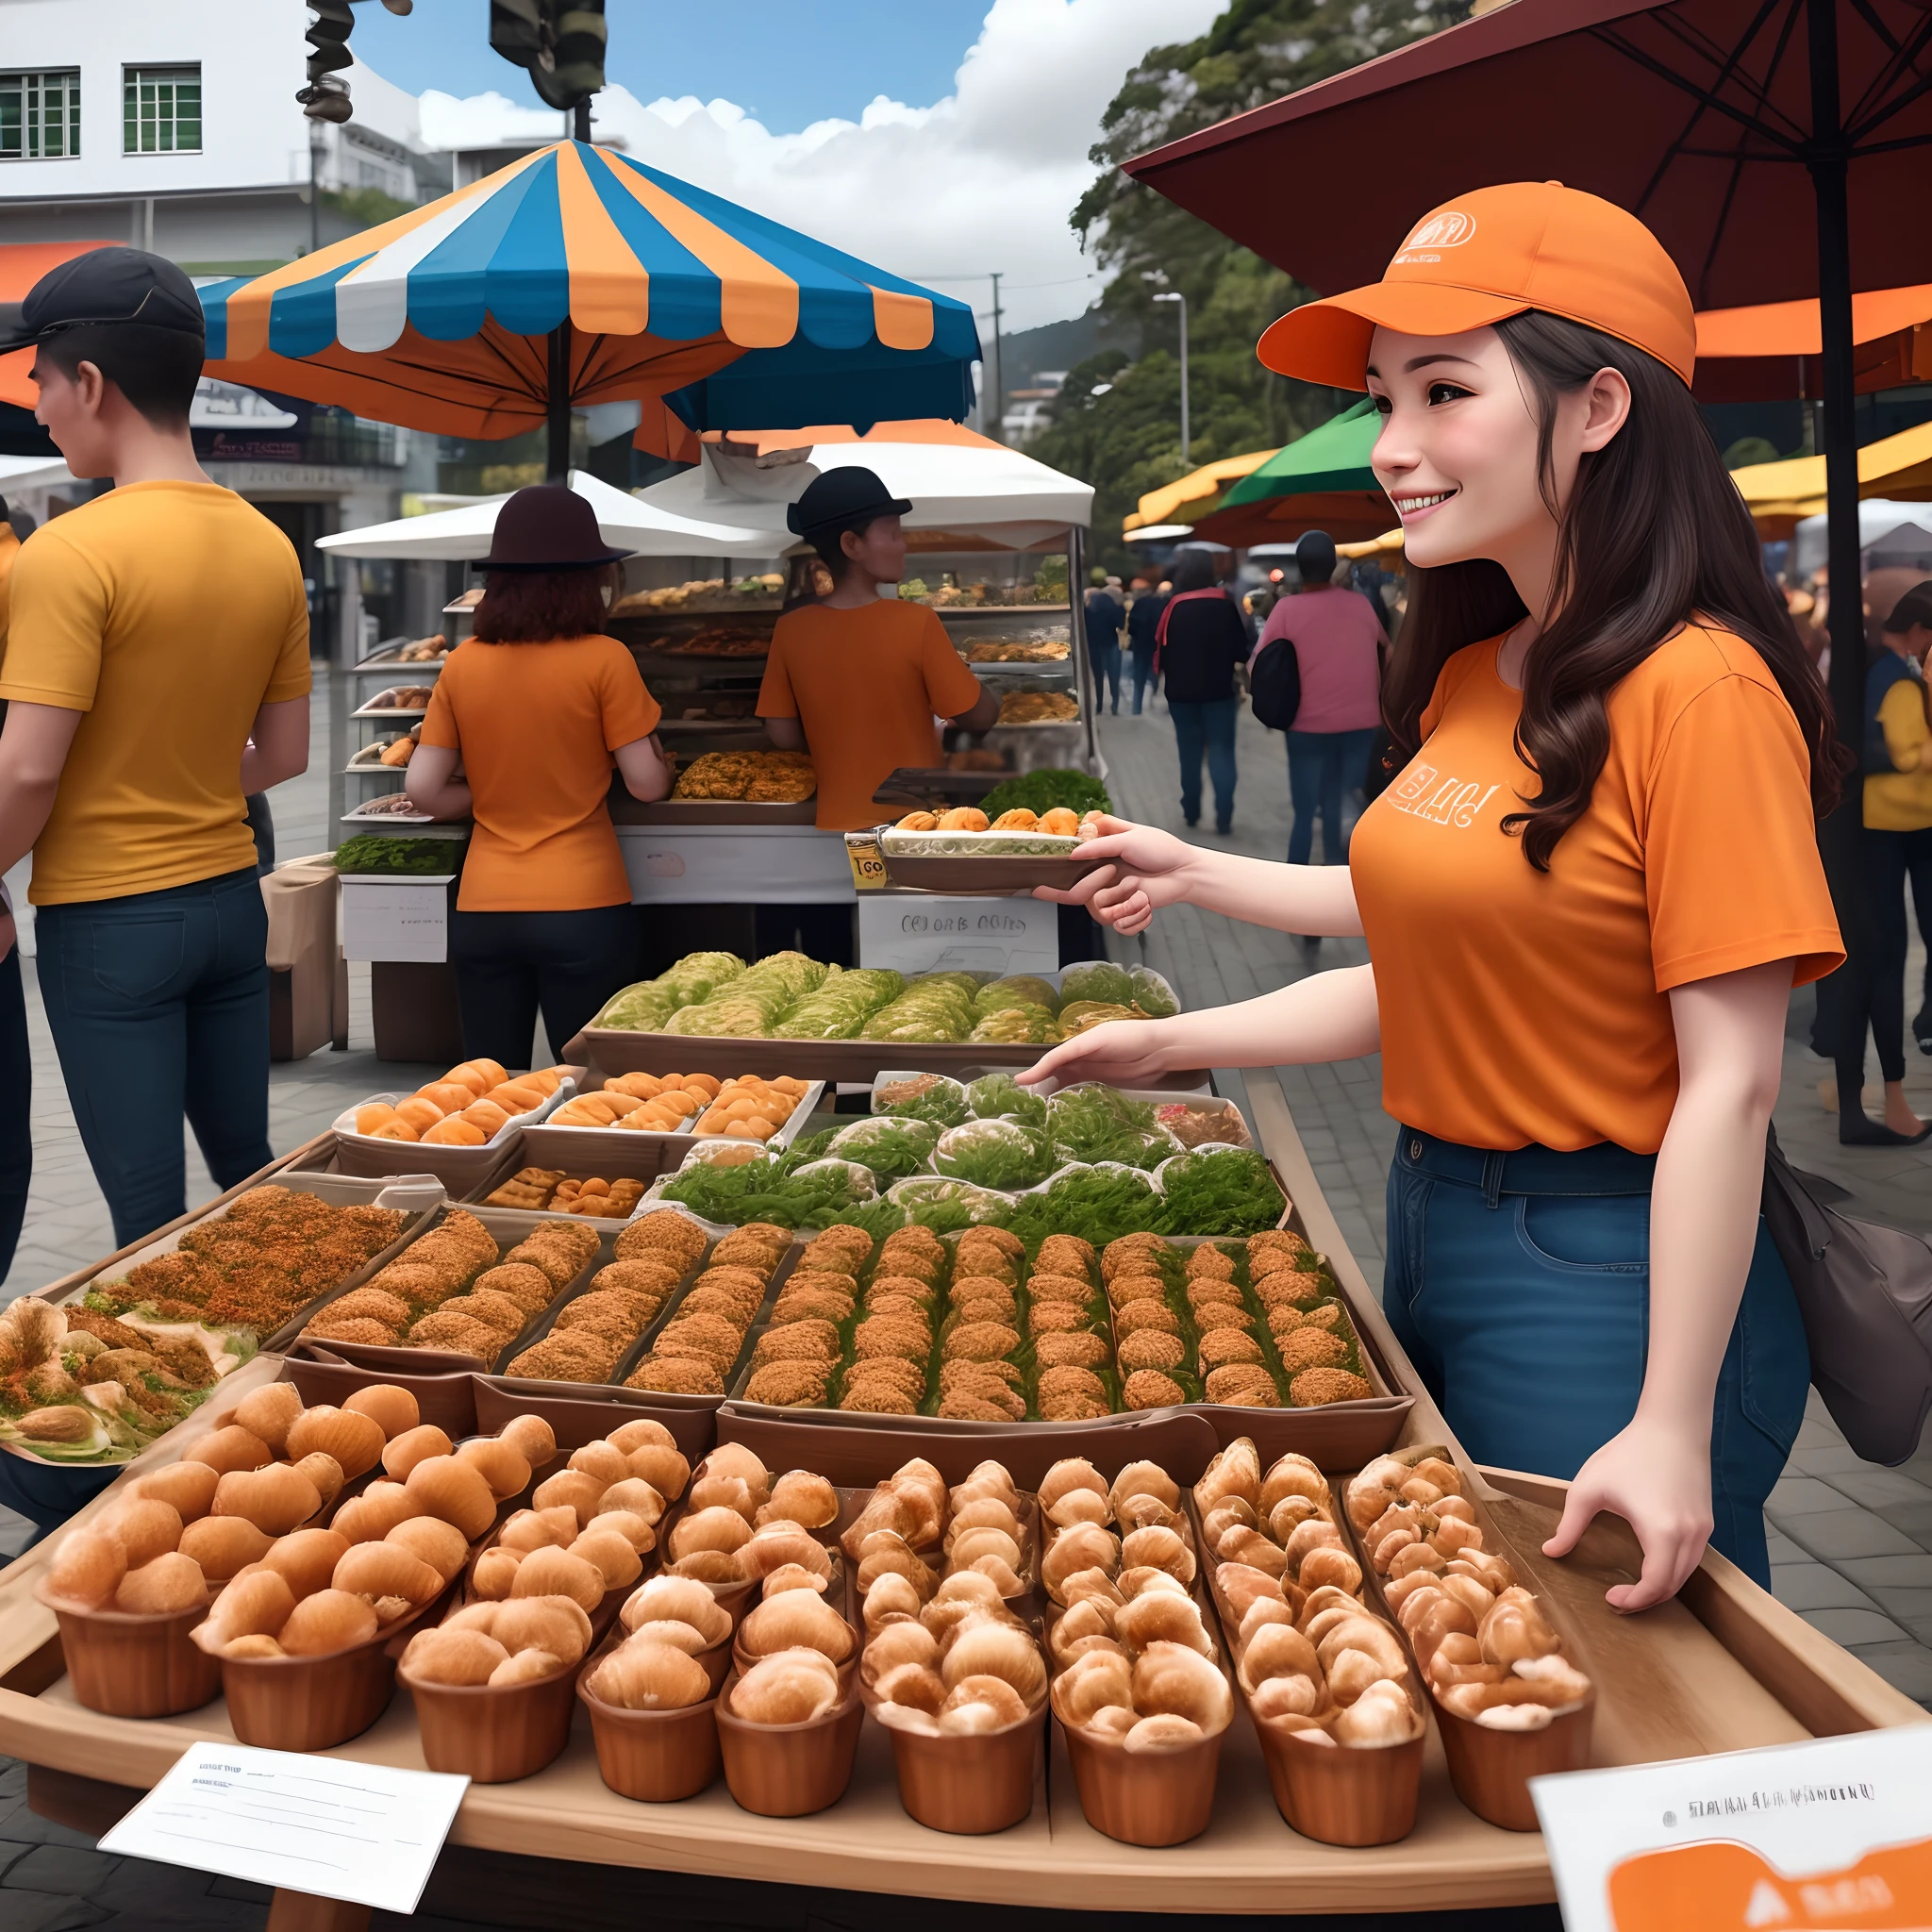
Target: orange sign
<point>1729,1887</point>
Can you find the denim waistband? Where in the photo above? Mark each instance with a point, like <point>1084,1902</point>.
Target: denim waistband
<point>1605,1168</point>
<point>167,895</point>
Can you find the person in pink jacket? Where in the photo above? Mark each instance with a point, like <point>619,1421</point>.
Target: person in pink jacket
<point>1339,644</point>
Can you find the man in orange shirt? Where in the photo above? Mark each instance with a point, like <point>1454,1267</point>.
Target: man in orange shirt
<point>858,678</point>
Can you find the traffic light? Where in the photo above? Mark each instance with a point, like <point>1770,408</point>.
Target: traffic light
<point>560,41</point>
<point>326,98</point>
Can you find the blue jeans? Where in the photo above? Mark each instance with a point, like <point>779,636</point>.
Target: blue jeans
<point>1520,1285</point>
<point>1143,676</point>
<point>1208,726</point>
<point>16,1136</point>
<point>158,1004</point>
<point>1322,768</point>
<point>1106,660</point>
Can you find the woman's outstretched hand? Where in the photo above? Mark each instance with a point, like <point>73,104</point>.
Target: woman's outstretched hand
<point>1123,1053</point>
<point>1660,1484</point>
<point>1149,868</point>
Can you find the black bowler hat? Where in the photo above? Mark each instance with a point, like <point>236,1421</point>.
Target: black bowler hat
<point>547,527</point>
<point>106,286</point>
<point>842,499</point>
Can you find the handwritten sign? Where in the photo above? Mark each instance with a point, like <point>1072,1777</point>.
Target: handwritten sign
<point>326,1826</point>
<point>1832,1834</point>
<point>867,866</point>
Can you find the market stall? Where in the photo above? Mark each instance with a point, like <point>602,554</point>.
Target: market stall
<point>763,1612</point>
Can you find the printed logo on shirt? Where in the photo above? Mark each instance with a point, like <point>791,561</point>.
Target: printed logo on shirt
<point>1450,802</point>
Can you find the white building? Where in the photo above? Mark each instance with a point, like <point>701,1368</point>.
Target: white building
<point>176,129</point>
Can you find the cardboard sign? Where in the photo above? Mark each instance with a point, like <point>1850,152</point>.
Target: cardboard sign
<point>326,1826</point>
<point>869,872</point>
<point>1830,1836</point>
<point>395,919</point>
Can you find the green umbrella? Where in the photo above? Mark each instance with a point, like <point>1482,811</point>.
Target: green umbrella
<point>1322,481</point>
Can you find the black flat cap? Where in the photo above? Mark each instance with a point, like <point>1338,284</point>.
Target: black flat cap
<point>103,286</point>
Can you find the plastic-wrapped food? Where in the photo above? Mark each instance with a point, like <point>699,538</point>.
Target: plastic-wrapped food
<point>1151,993</point>
<point>1019,1026</point>
<point>1094,1123</point>
<point>840,1009</point>
<point>1000,1097</point>
<point>1080,1016</point>
<point>994,1153</point>
<point>1097,979</point>
<point>1227,1190</point>
<point>927,1191</point>
<point>922,1096</point>
<point>1015,990</point>
<point>891,1147</point>
<point>936,1009</point>
<point>697,975</point>
<point>1196,1126</point>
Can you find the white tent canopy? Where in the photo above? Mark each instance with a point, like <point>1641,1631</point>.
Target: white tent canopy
<point>626,522</point>
<point>1878,517</point>
<point>993,493</point>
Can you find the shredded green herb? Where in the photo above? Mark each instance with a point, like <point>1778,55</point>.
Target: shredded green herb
<point>994,1153</point>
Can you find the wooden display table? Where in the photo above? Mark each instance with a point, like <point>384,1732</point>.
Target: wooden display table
<point>1723,1668</point>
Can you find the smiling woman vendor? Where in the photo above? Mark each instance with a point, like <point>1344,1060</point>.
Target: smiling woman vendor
<point>539,706</point>
<point>1587,892</point>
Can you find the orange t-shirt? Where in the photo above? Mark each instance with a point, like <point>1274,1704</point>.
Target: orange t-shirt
<point>536,724</point>
<point>866,686</point>
<point>1522,1008</point>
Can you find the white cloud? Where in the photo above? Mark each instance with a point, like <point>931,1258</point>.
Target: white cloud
<point>983,179</point>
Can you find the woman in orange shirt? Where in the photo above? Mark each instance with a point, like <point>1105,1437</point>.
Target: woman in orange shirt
<point>539,706</point>
<point>1587,892</point>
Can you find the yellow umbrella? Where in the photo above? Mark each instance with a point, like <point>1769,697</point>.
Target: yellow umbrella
<point>1388,543</point>
<point>1198,491</point>
<point>1780,494</point>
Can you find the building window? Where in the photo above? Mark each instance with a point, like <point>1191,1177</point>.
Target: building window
<point>161,110</point>
<point>40,115</point>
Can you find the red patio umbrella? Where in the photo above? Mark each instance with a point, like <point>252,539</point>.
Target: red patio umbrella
<point>1742,131</point>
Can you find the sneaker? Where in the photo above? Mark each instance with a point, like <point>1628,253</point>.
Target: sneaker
<point>1922,1028</point>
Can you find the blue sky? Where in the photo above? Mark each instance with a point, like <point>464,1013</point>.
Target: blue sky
<point>787,62</point>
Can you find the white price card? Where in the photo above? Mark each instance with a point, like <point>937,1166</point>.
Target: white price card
<point>326,1826</point>
<point>1830,1836</point>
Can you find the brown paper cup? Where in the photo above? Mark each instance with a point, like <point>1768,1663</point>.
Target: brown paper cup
<point>656,1756</point>
<point>790,1771</point>
<point>970,1785</point>
<point>1144,1797</point>
<point>494,1733</point>
<point>1490,1770</point>
<point>136,1666</point>
<point>1339,1796</point>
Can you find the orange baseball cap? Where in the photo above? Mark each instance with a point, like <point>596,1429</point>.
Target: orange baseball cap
<point>1490,255</point>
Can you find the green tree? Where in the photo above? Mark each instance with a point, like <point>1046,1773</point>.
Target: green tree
<point>1125,441</point>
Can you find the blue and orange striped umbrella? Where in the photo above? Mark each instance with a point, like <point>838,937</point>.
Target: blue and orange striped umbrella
<point>574,276</point>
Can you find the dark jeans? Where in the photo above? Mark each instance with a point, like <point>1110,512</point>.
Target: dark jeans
<point>158,1004</point>
<point>1520,1285</point>
<point>1208,726</point>
<point>825,933</point>
<point>511,963</point>
<point>16,1134</point>
<point>1324,767</point>
<point>261,824</point>
<point>1890,859</point>
<point>1144,676</point>
<point>1106,660</point>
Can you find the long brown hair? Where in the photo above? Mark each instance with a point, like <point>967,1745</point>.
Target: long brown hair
<point>539,606</point>
<point>1654,536</point>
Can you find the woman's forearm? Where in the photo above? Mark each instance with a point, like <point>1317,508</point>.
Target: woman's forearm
<point>1709,1185</point>
<point>1286,898</point>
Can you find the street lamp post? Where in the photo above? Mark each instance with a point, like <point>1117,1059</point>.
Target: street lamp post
<point>1175,295</point>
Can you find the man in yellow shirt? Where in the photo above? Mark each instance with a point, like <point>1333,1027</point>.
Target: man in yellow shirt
<point>156,670</point>
<point>1898,802</point>
<point>16,1059</point>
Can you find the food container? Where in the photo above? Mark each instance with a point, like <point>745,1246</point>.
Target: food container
<point>981,862</point>
<point>973,1785</point>
<point>134,1666</point>
<point>1340,1796</point>
<point>495,1733</point>
<point>790,1771</point>
<point>656,1756</point>
<point>615,1153</point>
<point>457,1168</point>
<point>1143,1798</point>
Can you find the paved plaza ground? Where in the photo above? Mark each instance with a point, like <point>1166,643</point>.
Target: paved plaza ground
<point>1850,1544</point>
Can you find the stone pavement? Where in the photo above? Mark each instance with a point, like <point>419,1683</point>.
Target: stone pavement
<point>1850,1544</point>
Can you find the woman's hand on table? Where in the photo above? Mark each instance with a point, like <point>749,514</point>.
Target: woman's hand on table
<point>1151,869</point>
<point>1658,1480</point>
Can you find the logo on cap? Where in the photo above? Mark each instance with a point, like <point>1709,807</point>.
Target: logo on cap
<point>1448,230</point>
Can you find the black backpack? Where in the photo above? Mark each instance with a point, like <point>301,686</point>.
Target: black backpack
<point>1274,684</point>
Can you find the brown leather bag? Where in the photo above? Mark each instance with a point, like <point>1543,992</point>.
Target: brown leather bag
<point>1865,1294</point>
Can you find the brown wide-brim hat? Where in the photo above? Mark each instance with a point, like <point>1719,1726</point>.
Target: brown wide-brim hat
<point>548,528</point>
